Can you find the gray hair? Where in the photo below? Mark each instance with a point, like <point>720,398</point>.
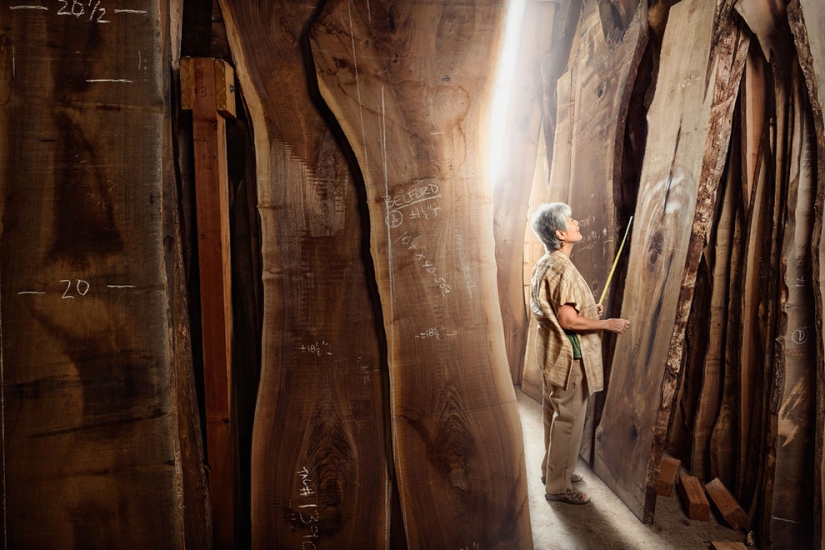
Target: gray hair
<point>549,218</point>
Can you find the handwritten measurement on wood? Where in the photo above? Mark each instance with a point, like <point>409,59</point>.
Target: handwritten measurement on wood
<point>316,348</point>
<point>437,333</point>
<point>90,10</point>
<point>306,517</point>
<point>74,288</point>
<point>364,370</point>
<point>443,287</point>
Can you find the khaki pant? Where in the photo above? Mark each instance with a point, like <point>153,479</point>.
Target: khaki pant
<point>564,413</point>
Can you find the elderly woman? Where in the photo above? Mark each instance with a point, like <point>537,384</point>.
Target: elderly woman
<point>568,348</point>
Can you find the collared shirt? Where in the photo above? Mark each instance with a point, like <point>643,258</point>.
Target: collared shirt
<point>557,282</point>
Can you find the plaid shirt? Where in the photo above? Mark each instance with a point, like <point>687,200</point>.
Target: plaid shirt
<point>556,282</point>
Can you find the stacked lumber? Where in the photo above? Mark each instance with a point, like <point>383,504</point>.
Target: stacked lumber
<point>725,351</point>
<point>761,347</point>
<point>806,19</point>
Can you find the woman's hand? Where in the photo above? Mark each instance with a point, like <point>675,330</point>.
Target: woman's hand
<point>617,325</point>
<point>599,310</point>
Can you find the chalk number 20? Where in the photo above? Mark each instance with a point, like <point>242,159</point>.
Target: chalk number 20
<point>81,286</point>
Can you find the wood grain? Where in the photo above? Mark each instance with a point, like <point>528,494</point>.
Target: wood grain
<point>807,18</point>
<point>718,255</point>
<point>320,474</point>
<point>203,88</point>
<point>689,131</point>
<point>410,84</point>
<point>790,431</point>
<point>93,450</point>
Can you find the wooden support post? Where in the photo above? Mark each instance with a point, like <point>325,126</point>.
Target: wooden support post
<point>207,89</point>
<point>693,498</point>
<point>667,475</point>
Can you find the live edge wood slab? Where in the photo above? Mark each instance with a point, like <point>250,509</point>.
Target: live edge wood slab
<point>689,129</point>
<point>320,471</point>
<point>410,83</point>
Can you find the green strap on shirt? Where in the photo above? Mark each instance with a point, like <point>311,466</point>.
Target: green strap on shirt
<point>574,341</point>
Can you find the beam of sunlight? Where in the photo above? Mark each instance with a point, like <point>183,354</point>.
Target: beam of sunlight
<point>504,83</point>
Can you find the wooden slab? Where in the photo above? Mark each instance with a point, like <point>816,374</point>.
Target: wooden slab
<point>588,146</point>
<point>514,181</point>
<point>788,468</point>
<point>93,451</point>
<point>319,467</point>
<point>719,258</point>
<point>564,35</point>
<point>724,451</point>
<point>410,84</point>
<point>726,504</point>
<point>693,498</point>
<point>668,471</point>
<point>689,128</point>
<point>755,331</point>
<point>807,18</point>
<point>593,97</point>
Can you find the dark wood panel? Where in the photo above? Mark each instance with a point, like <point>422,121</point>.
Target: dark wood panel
<point>320,474</point>
<point>807,18</point>
<point>410,84</point>
<point>687,140</point>
<point>713,366</point>
<point>788,494</point>
<point>91,453</point>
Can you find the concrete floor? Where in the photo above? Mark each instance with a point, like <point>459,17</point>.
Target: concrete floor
<point>605,523</point>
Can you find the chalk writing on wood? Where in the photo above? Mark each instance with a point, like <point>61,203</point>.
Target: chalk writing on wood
<point>73,288</point>
<point>316,348</point>
<point>81,288</point>
<point>78,9</point>
<point>305,517</point>
<point>436,332</point>
<point>591,238</point>
<point>418,199</point>
<point>800,335</point>
<point>363,370</point>
<point>425,263</point>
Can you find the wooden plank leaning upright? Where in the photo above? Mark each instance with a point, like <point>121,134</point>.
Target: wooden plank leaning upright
<point>690,124</point>
<point>410,84</point>
<point>207,89</point>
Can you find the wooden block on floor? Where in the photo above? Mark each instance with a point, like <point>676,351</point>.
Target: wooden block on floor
<point>727,505</point>
<point>693,498</point>
<point>725,545</point>
<point>668,471</point>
